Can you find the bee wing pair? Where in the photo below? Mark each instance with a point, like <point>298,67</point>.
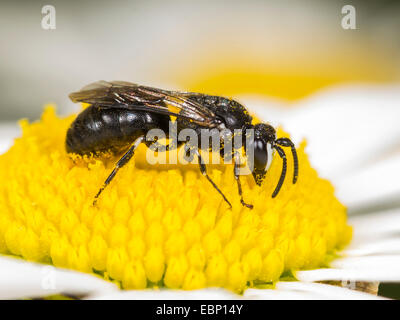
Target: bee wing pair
<point>117,94</point>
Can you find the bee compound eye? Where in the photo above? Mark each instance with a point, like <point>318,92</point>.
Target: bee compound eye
<point>260,155</point>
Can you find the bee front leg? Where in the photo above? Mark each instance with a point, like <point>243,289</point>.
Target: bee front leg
<point>285,142</point>
<point>237,177</point>
<point>203,171</point>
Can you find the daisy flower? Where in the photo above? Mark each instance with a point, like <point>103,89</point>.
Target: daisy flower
<point>160,233</point>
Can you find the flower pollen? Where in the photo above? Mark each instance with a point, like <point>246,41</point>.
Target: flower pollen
<point>161,225</point>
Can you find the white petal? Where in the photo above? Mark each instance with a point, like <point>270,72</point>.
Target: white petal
<point>373,247</point>
<point>207,294</point>
<point>373,226</point>
<point>273,294</point>
<point>390,274</point>
<point>345,127</point>
<point>165,294</point>
<point>19,279</point>
<point>373,185</point>
<point>325,291</point>
<point>368,262</point>
<point>8,131</point>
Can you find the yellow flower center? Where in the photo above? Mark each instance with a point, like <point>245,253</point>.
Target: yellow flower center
<point>161,225</point>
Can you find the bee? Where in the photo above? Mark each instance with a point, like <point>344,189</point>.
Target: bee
<point>122,113</point>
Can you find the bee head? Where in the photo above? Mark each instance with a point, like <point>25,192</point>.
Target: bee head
<point>264,139</point>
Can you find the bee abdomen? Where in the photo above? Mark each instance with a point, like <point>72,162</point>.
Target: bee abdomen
<point>97,130</point>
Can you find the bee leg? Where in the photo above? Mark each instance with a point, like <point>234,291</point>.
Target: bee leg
<point>237,177</point>
<point>283,173</point>
<point>285,142</point>
<point>121,162</point>
<point>172,146</point>
<point>203,171</point>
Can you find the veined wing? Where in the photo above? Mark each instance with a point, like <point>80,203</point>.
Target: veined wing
<point>136,97</point>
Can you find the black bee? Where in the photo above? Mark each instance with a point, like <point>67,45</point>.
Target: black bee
<point>121,113</point>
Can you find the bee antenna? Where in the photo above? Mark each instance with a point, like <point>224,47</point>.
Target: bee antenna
<point>283,173</point>
<point>286,142</point>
